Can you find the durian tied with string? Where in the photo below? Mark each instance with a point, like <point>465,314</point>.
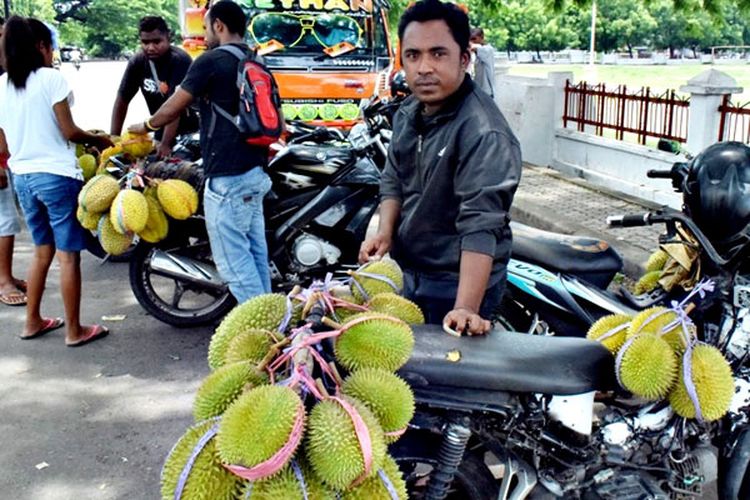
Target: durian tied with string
<point>375,277</point>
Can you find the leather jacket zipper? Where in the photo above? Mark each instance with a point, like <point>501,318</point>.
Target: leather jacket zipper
<point>420,172</point>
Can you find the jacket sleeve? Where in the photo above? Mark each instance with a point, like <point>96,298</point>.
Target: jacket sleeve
<point>390,184</point>
<point>486,179</point>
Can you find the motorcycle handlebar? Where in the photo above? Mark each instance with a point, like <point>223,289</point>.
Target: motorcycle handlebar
<point>659,174</point>
<point>651,218</point>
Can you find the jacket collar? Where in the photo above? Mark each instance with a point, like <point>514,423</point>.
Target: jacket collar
<point>412,108</point>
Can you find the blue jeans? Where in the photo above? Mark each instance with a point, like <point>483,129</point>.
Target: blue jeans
<point>233,206</point>
<point>49,205</point>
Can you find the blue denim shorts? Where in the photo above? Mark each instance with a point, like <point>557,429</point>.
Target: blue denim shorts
<point>49,205</point>
<point>8,214</point>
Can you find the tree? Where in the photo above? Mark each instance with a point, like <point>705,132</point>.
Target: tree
<point>40,9</point>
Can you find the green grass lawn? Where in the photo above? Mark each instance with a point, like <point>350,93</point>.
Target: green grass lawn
<point>659,78</point>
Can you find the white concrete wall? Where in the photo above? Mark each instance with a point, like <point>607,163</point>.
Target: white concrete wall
<point>616,165</point>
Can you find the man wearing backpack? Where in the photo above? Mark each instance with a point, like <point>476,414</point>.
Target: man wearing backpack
<point>235,180</point>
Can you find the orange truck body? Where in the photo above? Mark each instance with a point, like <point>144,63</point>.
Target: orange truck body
<point>326,55</point>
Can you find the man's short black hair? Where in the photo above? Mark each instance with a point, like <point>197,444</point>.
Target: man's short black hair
<point>153,23</point>
<point>434,10</point>
<point>231,15</point>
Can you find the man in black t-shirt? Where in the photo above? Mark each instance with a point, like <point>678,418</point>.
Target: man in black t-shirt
<point>156,70</point>
<point>235,180</point>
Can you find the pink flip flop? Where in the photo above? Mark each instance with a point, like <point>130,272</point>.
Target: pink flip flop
<point>48,325</point>
<point>97,332</point>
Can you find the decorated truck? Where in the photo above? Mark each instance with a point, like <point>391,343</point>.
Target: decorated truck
<point>327,55</point>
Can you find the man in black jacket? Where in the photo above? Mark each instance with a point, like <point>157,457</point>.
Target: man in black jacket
<point>452,170</point>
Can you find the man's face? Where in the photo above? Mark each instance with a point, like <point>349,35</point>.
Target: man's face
<point>477,39</point>
<point>154,43</point>
<point>212,40</point>
<point>433,63</point>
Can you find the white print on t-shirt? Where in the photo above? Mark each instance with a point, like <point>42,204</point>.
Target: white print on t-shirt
<point>150,86</point>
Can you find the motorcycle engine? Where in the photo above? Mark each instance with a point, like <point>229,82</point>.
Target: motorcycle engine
<point>309,251</point>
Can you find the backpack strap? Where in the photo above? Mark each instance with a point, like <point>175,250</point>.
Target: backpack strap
<point>218,110</point>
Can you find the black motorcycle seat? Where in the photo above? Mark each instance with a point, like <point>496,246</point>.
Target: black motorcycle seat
<point>321,159</point>
<point>509,361</point>
<point>567,254</point>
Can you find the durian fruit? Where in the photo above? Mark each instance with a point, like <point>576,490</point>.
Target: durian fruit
<point>647,282</point>
<point>258,424</point>
<point>375,341</point>
<point>286,486</point>
<point>375,488</point>
<point>98,193</point>
<point>222,387</point>
<point>89,220</point>
<point>207,478</point>
<point>178,198</point>
<point>656,261</point>
<point>129,211</point>
<point>157,226</point>
<point>333,448</point>
<point>263,312</point>
<point>649,367</point>
<point>397,306</point>
<point>606,324</point>
<point>106,154</point>
<point>388,397</point>
<point>713,381</point>
<point>137,145</point>
<point>87,164</point>
<point>647,321</point>
<point>112,241</point>
<point>386,268</point>
<point>251,346</point>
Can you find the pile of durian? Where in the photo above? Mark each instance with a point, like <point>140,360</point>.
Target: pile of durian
<point>652,350</point>
<point>654,270</point>
<point>276,420</point>
<point>120,209</point>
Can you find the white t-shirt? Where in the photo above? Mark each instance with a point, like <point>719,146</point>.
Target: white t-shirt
<point>35,141</point>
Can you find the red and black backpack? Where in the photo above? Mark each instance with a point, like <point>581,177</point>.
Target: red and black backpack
<point>259,119</point>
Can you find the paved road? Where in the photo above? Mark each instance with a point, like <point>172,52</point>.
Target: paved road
<point>103,416</point>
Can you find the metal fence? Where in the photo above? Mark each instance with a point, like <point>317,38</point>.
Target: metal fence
<point>735,121</point>
<point>594,109</point>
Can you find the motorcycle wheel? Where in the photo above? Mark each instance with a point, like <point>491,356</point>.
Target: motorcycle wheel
<point>172,301</point>
<point>417,456</point>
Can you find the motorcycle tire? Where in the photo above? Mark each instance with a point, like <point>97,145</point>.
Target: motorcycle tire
<point>150,296</point>
<point>417,454</point>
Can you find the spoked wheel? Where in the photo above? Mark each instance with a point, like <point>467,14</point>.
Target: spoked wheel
<point>171,295</point>
<point>417,459</point>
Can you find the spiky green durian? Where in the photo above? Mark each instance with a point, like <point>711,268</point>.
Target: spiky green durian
<point>647,282</point>
<point>375,342</point>
<point>387,268</point>
<point>264,312</point>
<point>222,387</point>
<point>388,397</point>
<point>397,306</point>
<point>252,345</point>
<point>607,324</point>
<point>286,486</point>
<point>258,424</point>
<point>374,488</point>
<point>656,261</point>
<point>652,321</point>
<point>207,478</point>
<point>713,381</point>
<point>332,447</point>
<point>649,367</point>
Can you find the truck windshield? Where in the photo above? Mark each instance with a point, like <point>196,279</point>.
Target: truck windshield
<point>309,32</point>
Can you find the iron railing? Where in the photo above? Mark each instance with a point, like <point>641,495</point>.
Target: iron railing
<point>734,124</point>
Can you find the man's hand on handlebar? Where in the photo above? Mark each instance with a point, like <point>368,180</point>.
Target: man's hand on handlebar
<point>462,321</point>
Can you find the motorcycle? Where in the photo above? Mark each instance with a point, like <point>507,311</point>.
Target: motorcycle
<point>325,191</point>
<point>515,416</point>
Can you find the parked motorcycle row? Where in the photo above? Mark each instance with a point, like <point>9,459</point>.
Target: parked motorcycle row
<point>530,412</point>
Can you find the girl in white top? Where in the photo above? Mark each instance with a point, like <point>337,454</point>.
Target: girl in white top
<point>38,132</point>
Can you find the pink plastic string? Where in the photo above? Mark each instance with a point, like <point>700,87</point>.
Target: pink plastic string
<point>397,433</point>
<point>363,436</point>
<point>687,374</point>
<point>279,459</point>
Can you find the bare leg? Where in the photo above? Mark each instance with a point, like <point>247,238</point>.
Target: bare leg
<point>6,264</point>
<point>70,288</point>
<point>37,278</point>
